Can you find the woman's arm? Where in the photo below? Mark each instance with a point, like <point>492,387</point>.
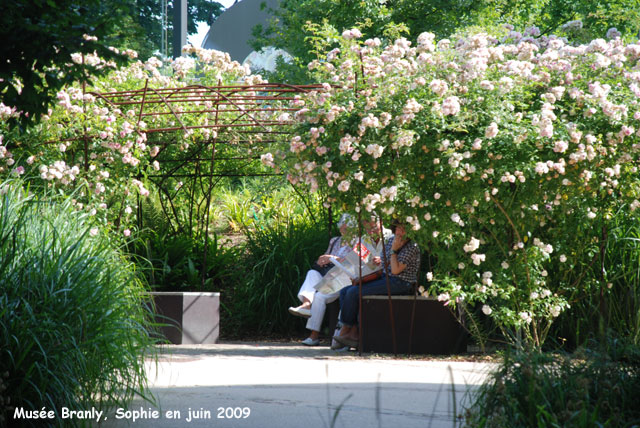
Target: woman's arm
<point>326,257</point>
<point>399,241</point>
<point>396,266</point>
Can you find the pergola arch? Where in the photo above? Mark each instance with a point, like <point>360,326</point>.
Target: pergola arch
<point>228,126</point>
<point>241,114</point>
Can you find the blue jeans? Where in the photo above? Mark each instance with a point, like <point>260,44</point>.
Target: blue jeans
<point>349,296</point>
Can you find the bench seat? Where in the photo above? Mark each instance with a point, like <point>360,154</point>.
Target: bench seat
<point>435,329</point>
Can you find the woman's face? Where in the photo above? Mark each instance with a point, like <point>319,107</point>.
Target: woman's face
<point>400,231</point>
<point>343,229</point>
<point>372,227</point>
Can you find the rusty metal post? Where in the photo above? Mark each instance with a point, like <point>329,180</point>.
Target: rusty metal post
<point>360,283</point>
<point>208,207</point>
<point>393,321</point>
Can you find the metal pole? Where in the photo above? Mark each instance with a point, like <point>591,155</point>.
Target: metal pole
<point>179,26</point>
<point>387,272</point>
<point>360,283</point>
<point>208,207</point>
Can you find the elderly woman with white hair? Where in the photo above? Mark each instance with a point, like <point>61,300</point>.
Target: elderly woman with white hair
<point>313,303</point>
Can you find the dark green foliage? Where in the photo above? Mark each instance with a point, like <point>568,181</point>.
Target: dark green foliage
<point>73,326</point>
<point>278,258</point>
<point>292,27</point>
<point>175,262</point>
<point>550,15</point>
<point>596,387</point>
<point>38,38</point>
<point>614,302</point>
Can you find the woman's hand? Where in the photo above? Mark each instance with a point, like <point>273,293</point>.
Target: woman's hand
<point>399,239</point>
<point>398,242</point>
<point>377,260</point>
<point>325,259</point>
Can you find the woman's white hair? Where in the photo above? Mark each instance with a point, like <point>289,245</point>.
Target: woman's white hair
<point>346,219</point>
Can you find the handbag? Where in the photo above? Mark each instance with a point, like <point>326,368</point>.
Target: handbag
<point>368,278</point>
<point>322,269</point>
<point>326,268</point>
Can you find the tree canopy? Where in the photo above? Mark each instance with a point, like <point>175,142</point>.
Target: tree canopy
<point>295,22</point>
<point>142,31</point>
<point>39,38</point>
<point>42,38</point>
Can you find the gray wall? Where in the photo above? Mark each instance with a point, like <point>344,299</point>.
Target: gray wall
<point>231,32</point>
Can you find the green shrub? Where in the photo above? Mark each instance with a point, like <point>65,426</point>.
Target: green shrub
<point>614,301</point>
<point>174,262</point>
<point>596,387</point>
<point>278,257</point>
<point>73,328</point>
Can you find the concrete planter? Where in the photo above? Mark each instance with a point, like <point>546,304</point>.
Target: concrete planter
<point>189,317</point>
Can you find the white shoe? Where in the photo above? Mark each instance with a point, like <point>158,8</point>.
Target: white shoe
<point>335,346</point>
<point>311,342</point>
<point>300,312</point>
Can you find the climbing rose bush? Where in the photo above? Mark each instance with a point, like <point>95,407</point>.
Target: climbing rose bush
<point>100,153</point>
<point>507,157</point>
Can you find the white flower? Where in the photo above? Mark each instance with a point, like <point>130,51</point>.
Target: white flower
<point>375,150</point>
<point>613,33</point>
<point>439,87</point>
<point>388,193</point>
<point>504,265</point>
<point>478,258</point>
<point>555,311</point>
<point>354,33</point>
<point>563,258</point>
<point>344,185</point>
<point>491,131</point>
<point>359,175</point>
<point>486,309</point>
<point>93,231</point>
<point>472,245</point>
<point>429,276</point>
<point>451,106</point>
<point>526,317</point>
<point>560,146</point>
<point>413,222</point>
<point>444,297</point>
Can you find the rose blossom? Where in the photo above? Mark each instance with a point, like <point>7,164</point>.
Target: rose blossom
<point>491,131</point>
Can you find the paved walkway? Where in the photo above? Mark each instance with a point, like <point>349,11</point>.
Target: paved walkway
<point>283,385</point>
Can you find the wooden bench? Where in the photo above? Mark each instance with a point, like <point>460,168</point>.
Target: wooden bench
<point>435,329</point>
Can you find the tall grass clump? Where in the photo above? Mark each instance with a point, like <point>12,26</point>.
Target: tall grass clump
<point>278,256</point>
<point>175,262</point>
<point>597,386</point>
<point>613,305</point>
<point>73,326</point>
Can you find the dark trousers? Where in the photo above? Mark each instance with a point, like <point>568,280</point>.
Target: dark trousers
<point>349,296</point>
